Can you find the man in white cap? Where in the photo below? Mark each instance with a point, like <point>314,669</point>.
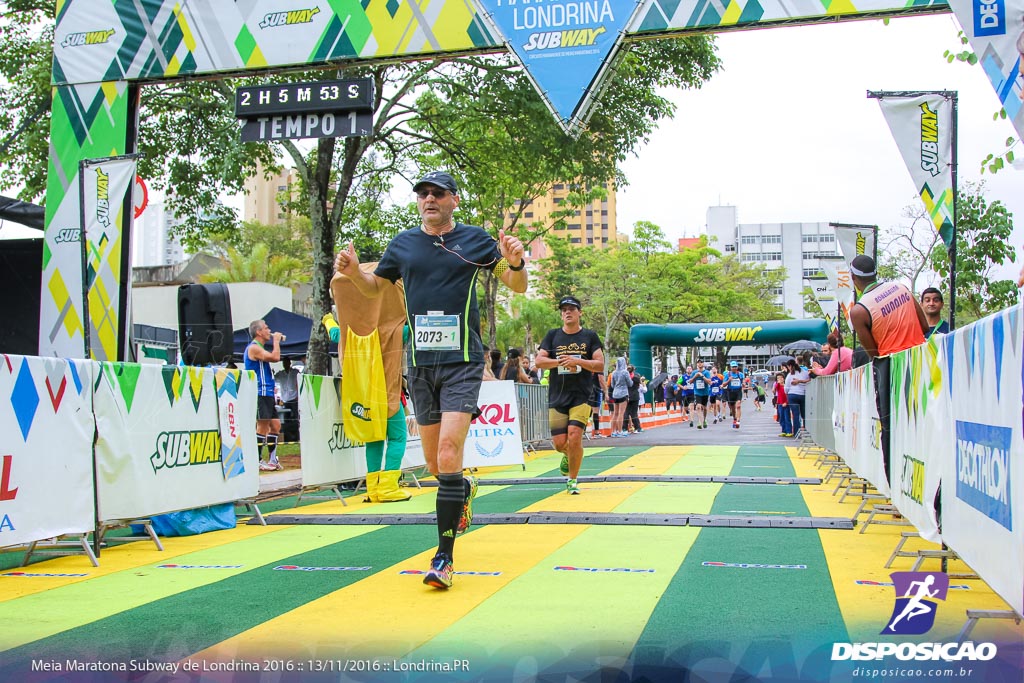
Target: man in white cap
<point>439,262</point>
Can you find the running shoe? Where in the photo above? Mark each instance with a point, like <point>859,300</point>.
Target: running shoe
<point>266,467</point>
<point>467,509</point>
<point>691,423</point>
<point>572,488</point>
<point>440,573</point>
<point>705,424</point>
<point>700,426</point>
<point>563,466</point>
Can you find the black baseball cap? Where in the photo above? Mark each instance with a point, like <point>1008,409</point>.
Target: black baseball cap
<point>439,178</point>
<point>570,301</point>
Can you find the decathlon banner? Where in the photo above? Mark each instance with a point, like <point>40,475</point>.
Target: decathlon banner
<point>858,429</point>
<point>158,443</point>
<point>838,273</point>
<point>995,30</point>
<point>105,183</point>
<point>921,432</point>
<point>494,437</point>
<point>855,240</point>
<point>46,465</point>
<point>982,496</point>
<point>923,129</point>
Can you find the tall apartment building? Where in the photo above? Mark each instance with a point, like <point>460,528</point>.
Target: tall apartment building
<point>593,224</point>
<point>263,196</point>
<point>797,247</point>
<point>152,243</point>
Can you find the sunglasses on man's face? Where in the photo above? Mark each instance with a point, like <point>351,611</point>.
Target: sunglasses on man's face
<point>437,194</point>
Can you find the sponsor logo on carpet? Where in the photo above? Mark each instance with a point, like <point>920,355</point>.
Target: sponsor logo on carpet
<point>296,568</point>
<point>750,565</point>
<point>26,575</point>
<point>624,570</point>
<point>420,572</point>
<point>886,584</point>
<point>199,566</point>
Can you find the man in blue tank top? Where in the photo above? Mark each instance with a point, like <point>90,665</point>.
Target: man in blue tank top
<point>258,359</point>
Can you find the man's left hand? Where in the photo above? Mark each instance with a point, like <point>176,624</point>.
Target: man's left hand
<point>511,248</point>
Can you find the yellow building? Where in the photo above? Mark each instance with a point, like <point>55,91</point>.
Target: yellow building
<point>266,199</point>
<point>593,224</point>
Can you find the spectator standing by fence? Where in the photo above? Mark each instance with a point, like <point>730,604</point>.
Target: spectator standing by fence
<point>618,389</point>
<point>887,319</point>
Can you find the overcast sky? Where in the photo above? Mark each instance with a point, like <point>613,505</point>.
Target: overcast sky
<point>786,133</point>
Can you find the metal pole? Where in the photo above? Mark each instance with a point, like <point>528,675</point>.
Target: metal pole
<point>952,249</point>
<point>82,238</point>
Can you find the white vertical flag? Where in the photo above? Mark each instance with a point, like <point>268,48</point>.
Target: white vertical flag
<point>838,274</point>
<point>105,183</point>
<point>922,127</point>
<point>995,30</point>
<point>855,240</point>
<point>825,297</point>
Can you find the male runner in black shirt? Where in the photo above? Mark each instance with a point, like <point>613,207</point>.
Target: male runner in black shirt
<point>439,262</point>
<point>576,353</point>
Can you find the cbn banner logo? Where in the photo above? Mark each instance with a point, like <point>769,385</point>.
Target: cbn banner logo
<point>917,594</point>
<point>983,477</point>
<point>989,18</point>
<point>87,38</point>
<point>289,18</point>
<point>180,449</point>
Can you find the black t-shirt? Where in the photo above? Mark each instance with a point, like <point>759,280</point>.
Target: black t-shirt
<point>568,389</point>
<point>440,277</point>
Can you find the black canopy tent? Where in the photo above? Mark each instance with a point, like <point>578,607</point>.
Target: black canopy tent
<point>296,328</point>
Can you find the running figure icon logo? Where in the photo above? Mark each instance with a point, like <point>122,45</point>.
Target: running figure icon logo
<point>916,596</point>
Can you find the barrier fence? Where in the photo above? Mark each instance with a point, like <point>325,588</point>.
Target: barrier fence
<point>956,456</point>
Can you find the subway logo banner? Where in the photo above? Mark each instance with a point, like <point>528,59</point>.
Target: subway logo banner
<point>923,129</point>
<point>159,441</point>
<point>46,458</point>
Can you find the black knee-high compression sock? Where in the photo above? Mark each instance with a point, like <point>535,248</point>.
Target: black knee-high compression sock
<point>451,496</point>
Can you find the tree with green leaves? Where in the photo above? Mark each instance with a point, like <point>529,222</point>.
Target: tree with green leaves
<point>982,243</point>
<point>257,265</point>
<point>476,115</point>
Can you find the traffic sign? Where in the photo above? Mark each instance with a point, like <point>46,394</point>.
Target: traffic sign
<point>295,98</point>
<point>312,125</point>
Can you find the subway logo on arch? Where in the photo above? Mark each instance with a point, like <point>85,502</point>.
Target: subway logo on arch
<point>289,18</point>
<point>726,334</point>
<point>180,449</point>
<point>983,477</point>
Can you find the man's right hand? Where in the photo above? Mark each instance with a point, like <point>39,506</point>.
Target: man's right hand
<point>347,262</point>
<point>278,336</point>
